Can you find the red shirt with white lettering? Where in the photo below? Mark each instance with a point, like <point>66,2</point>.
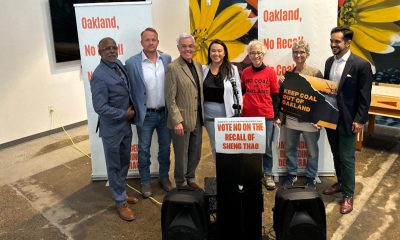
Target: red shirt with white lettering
<point>259,84</point>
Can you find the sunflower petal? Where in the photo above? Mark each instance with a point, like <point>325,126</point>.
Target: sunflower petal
<point>208,13</point>
<point>390,14</point>
<point>235,31</point>
<point>237,50</point>
<point>382,32</point>
<point>201,55</point>
<point>231,23</point>
<point>194,15</point>
<point>364,4</point>
<point>362,53</point>
<point>368,42</point>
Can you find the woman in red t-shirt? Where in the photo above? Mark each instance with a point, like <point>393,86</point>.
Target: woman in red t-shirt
<point>261,99</point>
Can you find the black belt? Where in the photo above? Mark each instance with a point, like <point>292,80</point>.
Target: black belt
<point>161,109</point>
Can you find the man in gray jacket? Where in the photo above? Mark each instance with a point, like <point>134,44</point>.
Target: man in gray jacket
<point>112,102</point>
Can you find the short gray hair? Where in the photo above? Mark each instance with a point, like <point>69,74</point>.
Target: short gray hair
<point>256,43</point>
<point>184,35</point>
<point>303,44</point>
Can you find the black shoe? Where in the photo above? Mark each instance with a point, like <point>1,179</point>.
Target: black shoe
<point>311,183</point>
<point>165,184</point>
<point>146,190</point>
<point>289,180</point>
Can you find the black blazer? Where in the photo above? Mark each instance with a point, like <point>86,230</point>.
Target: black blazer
<point>354,92</point>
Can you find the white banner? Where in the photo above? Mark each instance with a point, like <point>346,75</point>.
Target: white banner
<point>325,160</point>
<point>280,23</point>
<point>123,22</point>
<point>240,135</point>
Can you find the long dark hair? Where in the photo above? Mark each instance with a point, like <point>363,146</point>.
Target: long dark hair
<point>225,70</point>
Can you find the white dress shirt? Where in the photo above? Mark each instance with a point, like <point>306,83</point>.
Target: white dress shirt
<point>154,76</point>
<point>337,67</point>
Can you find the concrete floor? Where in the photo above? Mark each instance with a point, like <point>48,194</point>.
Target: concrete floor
<point>46,192</point>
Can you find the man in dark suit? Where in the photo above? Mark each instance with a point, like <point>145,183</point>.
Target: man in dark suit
<point>183,93</point>
<point>354,77</point>
<point>112,102</point>
<point>146,72</point>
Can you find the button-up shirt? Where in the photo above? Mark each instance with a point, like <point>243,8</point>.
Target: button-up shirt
<point>154,76</point>
<point>337,67</point>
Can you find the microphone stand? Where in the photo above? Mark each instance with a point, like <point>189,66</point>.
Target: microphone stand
<point>236,106</point>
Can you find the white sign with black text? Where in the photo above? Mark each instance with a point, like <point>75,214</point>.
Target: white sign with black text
<point>240,135</point>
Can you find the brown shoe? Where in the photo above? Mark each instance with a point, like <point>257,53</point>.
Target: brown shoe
<point>125,212</point>
<point>347,205</point>
<point>131,199</point>
<point>165,184</point>
<point>193,185</point>
<point>335,188</point>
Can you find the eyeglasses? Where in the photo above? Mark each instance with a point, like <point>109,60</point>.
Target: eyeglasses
<point>301,53</point>
<point>256,53</point>
<point>186,46</point>
<point>115,48</point>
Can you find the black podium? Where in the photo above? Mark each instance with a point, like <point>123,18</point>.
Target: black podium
<point>239,196</point>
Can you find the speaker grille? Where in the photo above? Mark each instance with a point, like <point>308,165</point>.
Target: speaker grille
<point>299,214</point>
<point>183,215</point>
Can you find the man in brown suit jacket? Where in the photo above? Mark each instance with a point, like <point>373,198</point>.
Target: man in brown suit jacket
<point>183,93</point>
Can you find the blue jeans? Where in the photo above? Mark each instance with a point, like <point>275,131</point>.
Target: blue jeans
<point>291,141</point>
<point>153,121</point>
<point>267,158</point>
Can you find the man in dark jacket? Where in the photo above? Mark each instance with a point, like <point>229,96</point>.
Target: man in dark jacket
<point>354,77</point>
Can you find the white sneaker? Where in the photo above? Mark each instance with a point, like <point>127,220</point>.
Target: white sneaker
<point>268,182</point>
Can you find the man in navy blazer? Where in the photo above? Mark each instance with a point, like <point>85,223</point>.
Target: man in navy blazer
<point>112,102</point>
<point>146,72</point>
<point>354,77</point>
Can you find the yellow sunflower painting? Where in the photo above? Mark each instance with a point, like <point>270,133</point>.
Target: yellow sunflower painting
<point>373,23</point>
<point>228,25</point>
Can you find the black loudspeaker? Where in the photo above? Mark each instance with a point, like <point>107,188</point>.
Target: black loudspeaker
<point>183,215</point>
<point>299,214</point>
